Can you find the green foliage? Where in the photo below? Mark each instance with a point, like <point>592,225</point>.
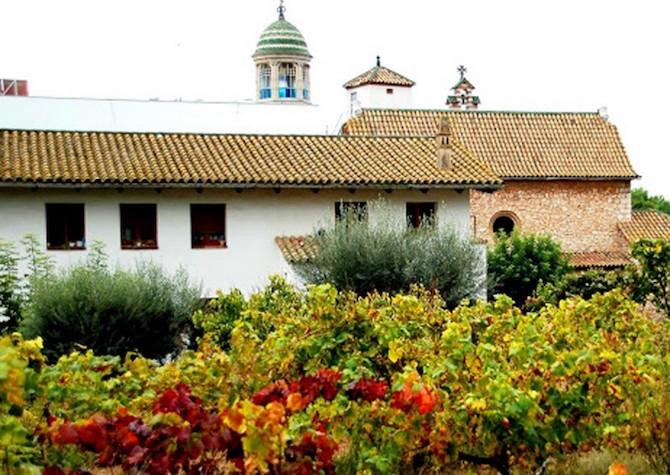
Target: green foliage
<point>15,289</point>
<point>642,201</point>
<point>18,383</point>
<point>220,316</point>
<point>386,256</point>
<point>110,311</point>
<point>10,287</point>
<point>653,274</point>
<point>518,263</point>
<point>329,381</point>
<point>580,284</point>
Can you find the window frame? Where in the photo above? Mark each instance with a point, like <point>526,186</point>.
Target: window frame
<point>224,245</point>
<point>416,221</point>
<point>265,81</point>
<point>137,231</point>
<point>65,245</point>
<point>288,81</point>
<point>504,214</point>
<point>361,209</point>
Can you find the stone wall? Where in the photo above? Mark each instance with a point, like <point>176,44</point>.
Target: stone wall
<point>582,215</point>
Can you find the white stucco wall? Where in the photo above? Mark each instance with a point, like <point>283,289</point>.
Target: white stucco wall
<point>253,219</point>
<point>375,96</point>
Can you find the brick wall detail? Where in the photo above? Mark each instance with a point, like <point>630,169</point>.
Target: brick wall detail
<point>582,215</point>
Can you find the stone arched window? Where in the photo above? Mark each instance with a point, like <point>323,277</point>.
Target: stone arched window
<point>265,81</point>
<point>505,222</point>
<point>287,81</point>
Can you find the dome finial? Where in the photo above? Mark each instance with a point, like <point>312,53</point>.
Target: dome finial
<point>379,60</point>
<point>281,9</point>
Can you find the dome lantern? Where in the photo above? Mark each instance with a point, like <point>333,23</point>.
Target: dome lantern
<point>282,63</point>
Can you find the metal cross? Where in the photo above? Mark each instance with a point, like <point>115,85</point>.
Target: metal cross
<point>281,9</point>
<point>462,69</point>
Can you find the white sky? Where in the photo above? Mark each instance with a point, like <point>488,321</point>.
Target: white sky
<point>567,55</point>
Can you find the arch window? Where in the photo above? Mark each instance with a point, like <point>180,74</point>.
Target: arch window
<point>265,81</point>
<point>287,81</point>
<point>504,222</point>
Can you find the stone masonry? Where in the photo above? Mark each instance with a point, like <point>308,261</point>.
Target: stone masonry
<point>582,215</point>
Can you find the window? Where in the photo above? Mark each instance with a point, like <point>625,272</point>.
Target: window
<point>305,82</point>
<point>389,91</point>
<point>351,209</point>
<point>208,226</point>
<point>420,214</point>
<point>65,227</point>
<point>265,81</point>
<point>138,226</point>
<point>287,81</point>
<point>503,223</point>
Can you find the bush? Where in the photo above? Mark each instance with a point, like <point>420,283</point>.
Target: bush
<point>386,256</point>
<point>15,289</point>
<point>519,263</point>
<point>580,284</point>
<point>111,311</point>
<point>10,288</point>
<point>653,273</point>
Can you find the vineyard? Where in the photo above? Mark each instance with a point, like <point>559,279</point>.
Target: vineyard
<point>323,381</point>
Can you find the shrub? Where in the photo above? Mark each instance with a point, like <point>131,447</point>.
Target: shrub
<point>221,315</point>
<point>653,273</point>
<point>580,284</point>
<point>519,263</point>
<point>386,256</point>
<point>10,287</point>
<point>15,288</point>
<point>111,311</point>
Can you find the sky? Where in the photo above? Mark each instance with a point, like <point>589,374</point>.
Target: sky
<point>535,55</point>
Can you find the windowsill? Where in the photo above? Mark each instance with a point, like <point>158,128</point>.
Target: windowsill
<point>66,249</point>
<point>225,246</point>
<point>152,247</point>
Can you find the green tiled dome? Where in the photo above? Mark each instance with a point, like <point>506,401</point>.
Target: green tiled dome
<point>282,38</point>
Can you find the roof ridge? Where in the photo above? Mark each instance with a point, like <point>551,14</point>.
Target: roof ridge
<point>479,111</point>
<point>222,134</point>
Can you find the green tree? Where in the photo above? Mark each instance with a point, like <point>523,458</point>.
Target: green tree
<point>519,263</point>
<point>385,255</point>
<point>642,201</point>
<point>653,274</point>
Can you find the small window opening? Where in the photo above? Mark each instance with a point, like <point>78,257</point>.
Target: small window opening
<point>138,226</point>
<point>208,226</point>
<point>65,227</point>
<point>357,210</point>
<point>420,215</point>
<point>265,79</point>
<point>389,91</point>
<point>503,224</point>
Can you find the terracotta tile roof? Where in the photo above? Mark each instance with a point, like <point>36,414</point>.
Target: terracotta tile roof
<point>296,249</point>
<point>515,144</point>
<point>597,259</point>
<point>646,224</point>
<point>379,75</point>
<point>227,160</point>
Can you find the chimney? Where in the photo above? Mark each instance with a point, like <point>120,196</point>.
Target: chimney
<point>444,150</point>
